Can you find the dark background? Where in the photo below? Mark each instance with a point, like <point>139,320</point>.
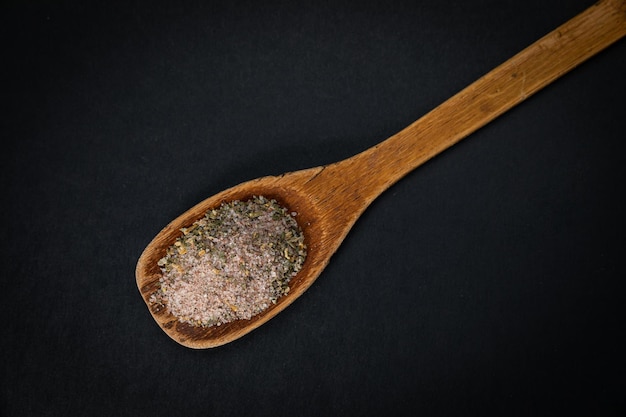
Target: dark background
<point>487,281</point>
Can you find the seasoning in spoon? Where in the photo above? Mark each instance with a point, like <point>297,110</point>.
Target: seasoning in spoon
<point>232,264</point>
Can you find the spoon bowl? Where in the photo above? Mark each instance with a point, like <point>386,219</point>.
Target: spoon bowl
<point>285,191</point>
<point>328,200</point>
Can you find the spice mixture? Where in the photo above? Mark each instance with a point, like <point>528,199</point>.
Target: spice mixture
<point>231,264</point>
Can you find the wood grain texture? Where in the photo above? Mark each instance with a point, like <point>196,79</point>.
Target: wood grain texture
<point>331,198</point>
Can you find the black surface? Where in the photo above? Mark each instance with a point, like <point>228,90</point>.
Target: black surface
<point>489,281</point>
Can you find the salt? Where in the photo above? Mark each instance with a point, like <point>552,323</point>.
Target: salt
<point>232,264</point>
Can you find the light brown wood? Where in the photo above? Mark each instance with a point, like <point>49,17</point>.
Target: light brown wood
<point>329,199</point>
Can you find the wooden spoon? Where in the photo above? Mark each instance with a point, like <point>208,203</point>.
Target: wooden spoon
<point>329,199</point>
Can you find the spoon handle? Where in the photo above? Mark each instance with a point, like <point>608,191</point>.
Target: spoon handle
<point>364,176</point>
